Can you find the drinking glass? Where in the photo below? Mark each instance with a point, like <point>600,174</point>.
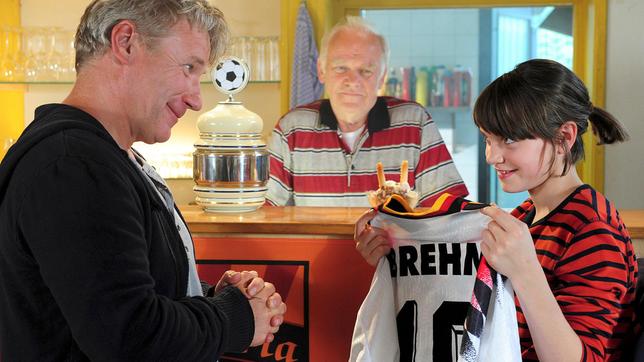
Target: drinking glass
<point>6,144</point>
<point>245,51</point>
<point>12,61</point>
<point>258,59</point>
<point>61,58</point>
<point>235,47</point>
<point>272,58</point>
<point>53,54</point>
<point>4,52</point>
<point>36,53</point>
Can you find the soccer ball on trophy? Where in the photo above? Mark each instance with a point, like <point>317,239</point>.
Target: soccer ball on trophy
<point>230,75</point>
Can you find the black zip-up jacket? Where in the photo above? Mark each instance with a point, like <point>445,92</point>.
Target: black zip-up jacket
<point>91,264</point>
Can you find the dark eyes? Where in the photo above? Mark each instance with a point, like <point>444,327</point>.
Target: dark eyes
<point>507,141</point>
<point>363,72</point>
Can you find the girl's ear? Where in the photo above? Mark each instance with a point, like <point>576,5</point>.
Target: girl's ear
<point>568,132</point>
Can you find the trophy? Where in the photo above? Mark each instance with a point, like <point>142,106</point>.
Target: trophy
<point>230,165</point>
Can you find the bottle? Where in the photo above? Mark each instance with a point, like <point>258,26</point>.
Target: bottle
<point>405,83</point>
<point>392,84</point>
<point>457,79</point>
<point>448,85</point>
<point>466,87</point>
<point>431,86</point>
<point>438,85</point>
<point>422,86</point>
<point>412,83</point>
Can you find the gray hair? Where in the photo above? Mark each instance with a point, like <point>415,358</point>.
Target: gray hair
<point>153,19</point>
<point>354,24</point>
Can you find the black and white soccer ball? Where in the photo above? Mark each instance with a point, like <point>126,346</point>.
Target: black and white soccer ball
<point>230,75</point>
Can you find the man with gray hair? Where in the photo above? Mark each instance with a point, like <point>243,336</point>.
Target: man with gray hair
<point>325,153</point>
<point>96,262</point>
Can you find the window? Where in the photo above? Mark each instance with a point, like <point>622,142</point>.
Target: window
<point>443,58</point>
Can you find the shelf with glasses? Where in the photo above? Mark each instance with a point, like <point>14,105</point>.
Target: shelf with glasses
<point>46,56</point>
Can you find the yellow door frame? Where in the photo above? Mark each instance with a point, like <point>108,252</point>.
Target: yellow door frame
<point>320,12</point>
<point>12,99</point>
<point>589,57</point>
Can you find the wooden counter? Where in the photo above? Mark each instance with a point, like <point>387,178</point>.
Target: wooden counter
<point>276,220</point>
<point>316,221</point>
<point>634,221</point>
<point>309,254</point>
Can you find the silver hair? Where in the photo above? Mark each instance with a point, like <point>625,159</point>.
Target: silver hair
<point>354,24</point>
<point>153,20</point>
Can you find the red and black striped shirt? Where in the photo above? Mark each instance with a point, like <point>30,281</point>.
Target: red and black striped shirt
<point>589,261</point>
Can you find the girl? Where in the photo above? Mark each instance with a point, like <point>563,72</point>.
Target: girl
<point>565,249</point>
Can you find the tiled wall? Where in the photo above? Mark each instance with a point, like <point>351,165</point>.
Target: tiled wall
<point>426,37</point>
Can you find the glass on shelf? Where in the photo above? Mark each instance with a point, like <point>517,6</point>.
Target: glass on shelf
<point>258,59</point>
<point>37,45</point>
<point>6,145</point>
<point>273,57</point>
<point>261,53</point>
<point>36,55</point>
<point>62,57</point>
<point>12,59</point>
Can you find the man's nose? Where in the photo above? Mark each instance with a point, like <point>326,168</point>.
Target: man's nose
<point>192,98</point>
<point>351,77</point>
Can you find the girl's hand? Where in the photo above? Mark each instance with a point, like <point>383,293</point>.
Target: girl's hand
<point>507,245</point>
<point>371,242</point>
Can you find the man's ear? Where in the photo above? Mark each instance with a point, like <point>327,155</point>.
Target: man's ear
<point>123,38</point>
<point>320,68</point>
<point>568,132</point>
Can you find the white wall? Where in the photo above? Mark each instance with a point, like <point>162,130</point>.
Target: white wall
<point>624,171</point>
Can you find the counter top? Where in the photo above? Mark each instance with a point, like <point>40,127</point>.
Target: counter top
<point>315,220</point>
<point>634,221</point>
<point>276,220</point>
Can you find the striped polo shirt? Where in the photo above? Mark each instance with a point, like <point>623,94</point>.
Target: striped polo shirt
<point>588,258</point>
<point>311,166</point>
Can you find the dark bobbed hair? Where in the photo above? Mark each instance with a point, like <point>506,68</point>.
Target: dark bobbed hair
<point>535,99</point>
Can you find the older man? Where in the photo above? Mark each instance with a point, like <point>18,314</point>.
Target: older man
<point>95,260</point>
<point>325,153</point>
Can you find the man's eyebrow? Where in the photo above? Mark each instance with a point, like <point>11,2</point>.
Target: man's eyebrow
<point>198,60</point>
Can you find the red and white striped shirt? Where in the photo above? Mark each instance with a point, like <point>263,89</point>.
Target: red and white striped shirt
<point>311,166</point>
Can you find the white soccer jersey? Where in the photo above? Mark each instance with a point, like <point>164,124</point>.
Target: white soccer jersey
<point>420,293</point>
